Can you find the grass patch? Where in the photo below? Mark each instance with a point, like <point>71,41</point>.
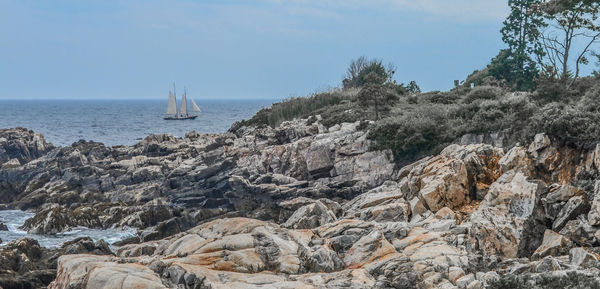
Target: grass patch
<point>303,107</point>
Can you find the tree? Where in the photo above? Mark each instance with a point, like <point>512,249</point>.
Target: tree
<point>504,70</point>
<point>359,69</point>
<point>596,73</point>
<point>571,21</point>
<point>521,33</point>
<point>413,88</point>
<point>376,94</point>
<point>353,70</point>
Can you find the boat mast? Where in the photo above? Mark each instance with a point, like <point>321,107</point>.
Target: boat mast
<point>175,93</point>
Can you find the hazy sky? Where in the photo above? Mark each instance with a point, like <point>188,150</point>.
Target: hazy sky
<point>235,48</point>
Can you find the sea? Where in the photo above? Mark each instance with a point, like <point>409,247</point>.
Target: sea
<point>112,122</point>
<point>14,219</point>
<point>119,122</point>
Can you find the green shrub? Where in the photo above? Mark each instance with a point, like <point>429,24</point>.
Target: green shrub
<point>440,97</point>
<point>483,93</point>
<point>344,112</point>
<point>415,133</point>
<point>590,101</point>
<point>569,125</point>
<point>571,280</point>
<point>509,281</point>
<point>551,90</point>
<point>426,128</point>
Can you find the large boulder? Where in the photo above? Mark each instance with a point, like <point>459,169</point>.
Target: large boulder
<point>516,158</point>
<point>583,257</point>
<point>574,207</point>
<point>85,245</point>
<point>384,203</point>
<point>289,207</point>
<point>510,220</point>
<point>310,216</point>
<point>21,145</point>
<point>370,248</point>
<point>553,244</point>
<point>458,175</point>
<point>89,271</point>
<point>580,231</point>
<point>319,160</point>
<point>444,183</point>
<point>25,264</point>
<point>247,253</point>
<point>57,219</point>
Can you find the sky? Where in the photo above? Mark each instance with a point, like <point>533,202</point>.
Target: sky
<point>267,49</point>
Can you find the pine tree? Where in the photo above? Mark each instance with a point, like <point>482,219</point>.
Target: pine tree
<point>521,32</point>
<point>376,94</point>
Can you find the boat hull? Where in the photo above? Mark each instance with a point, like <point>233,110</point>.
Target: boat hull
<point>172,117</point>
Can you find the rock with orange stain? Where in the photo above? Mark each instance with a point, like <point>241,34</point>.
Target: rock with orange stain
<point>449,179</point>
<point>91,271</point>
<point>554,244</point>
<point>510,220</point>
<point>516,158</point>
<point>444,182</point>
<point>482,202</point>
<point>246,253</point>
<point>482,163</point>
<point>136,250</point>
<point>384,203</point>
<point>370,248</point>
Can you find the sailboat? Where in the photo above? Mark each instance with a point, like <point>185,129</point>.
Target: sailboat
<point>195,107</point>
<point>183,113</point>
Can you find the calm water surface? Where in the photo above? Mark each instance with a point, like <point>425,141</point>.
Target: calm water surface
<point>116,122</point>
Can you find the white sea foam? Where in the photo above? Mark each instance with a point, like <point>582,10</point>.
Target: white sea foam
<point>13,219</point>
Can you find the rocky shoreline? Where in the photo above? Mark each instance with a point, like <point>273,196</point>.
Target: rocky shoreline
<point>300,206</point>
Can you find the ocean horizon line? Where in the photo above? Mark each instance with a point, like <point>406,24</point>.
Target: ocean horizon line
<point>134,98</point>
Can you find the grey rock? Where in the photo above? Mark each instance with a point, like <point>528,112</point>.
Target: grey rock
<point>310,216</point>
<point>553,244</point>
<point>319,160</point>
<point>594,214</point>
<point>573,208</point>
<point>581,257</point>
<point>579,231</point>
<point>547,264</point>
<point>324,260</point>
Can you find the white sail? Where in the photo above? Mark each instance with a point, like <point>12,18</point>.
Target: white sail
<point>195,107</point>
<point>183,109</point>
<point>172,108</point>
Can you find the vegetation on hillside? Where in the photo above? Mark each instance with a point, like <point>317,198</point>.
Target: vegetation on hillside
<point>532,86</point>
<point>426,123</point>
<point>570,280</point>
<point>335,106</point>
